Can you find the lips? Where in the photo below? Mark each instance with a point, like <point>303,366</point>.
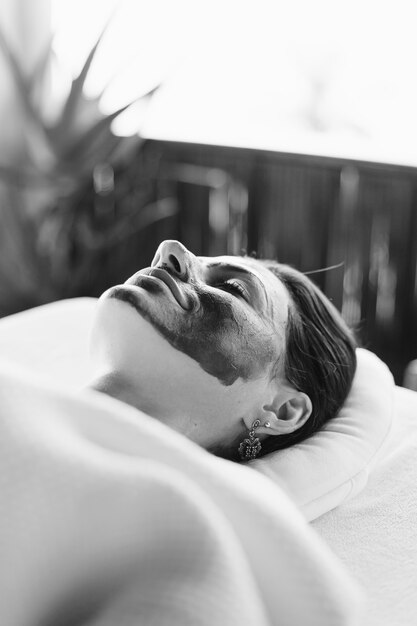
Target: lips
<point>162,275</point>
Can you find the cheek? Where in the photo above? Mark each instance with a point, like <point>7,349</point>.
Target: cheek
<point>251,345</point>
<point>227,341</point>
<point>236,341</point>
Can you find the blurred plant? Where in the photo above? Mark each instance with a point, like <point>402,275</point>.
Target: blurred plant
<point>71,190</point>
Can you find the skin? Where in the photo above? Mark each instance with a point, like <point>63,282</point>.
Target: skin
<point>198,342</point>
<point>235,324</point>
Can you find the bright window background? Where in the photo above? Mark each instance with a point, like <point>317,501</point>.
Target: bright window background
<point>319,76</point>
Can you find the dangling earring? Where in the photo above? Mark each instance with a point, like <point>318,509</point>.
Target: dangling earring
<point>251,446</point>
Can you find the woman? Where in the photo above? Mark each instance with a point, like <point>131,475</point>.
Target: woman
<point>240,355</point>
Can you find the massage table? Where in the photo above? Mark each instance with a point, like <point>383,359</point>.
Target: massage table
<point>345,521</point>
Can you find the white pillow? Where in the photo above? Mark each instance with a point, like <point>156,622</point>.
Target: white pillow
<point>319,474</point>
<point>333,465</point>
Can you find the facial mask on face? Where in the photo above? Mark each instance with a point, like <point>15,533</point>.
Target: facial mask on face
<point>224,340</point>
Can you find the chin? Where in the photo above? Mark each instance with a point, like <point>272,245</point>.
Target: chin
<point>124,340</point>
<point>121,335</point>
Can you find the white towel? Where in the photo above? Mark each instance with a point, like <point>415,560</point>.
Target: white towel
<point>375,533</point>
<point>110,518</point>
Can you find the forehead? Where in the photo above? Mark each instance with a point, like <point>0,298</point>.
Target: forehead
<point>246,264</point>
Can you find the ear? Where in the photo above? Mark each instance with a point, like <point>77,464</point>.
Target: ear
<point>286,414</point>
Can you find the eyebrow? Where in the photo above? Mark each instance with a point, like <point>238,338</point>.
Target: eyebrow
<point>229,267</point>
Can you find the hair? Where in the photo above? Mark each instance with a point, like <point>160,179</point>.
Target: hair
<point>320,356</point>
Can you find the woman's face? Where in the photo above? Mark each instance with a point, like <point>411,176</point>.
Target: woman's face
<point>228,314</point>
<point>193,342</point>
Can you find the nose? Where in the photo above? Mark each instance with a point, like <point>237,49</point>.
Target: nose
<point>174,256</point>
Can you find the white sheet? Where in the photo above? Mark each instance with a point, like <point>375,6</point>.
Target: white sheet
<point>375,533</point>
<point>110,518</point>
<point>53,340</point>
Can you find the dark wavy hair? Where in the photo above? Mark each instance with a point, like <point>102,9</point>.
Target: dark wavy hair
<point>320,356</point>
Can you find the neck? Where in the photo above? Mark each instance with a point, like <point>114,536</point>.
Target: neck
<point>117,386</point>
<point>190,410</point>
<point>148,398</point>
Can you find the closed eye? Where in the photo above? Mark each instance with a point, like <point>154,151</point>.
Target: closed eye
<point>235,287</point>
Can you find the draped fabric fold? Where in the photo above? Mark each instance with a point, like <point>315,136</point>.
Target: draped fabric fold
<point>109,517</point>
